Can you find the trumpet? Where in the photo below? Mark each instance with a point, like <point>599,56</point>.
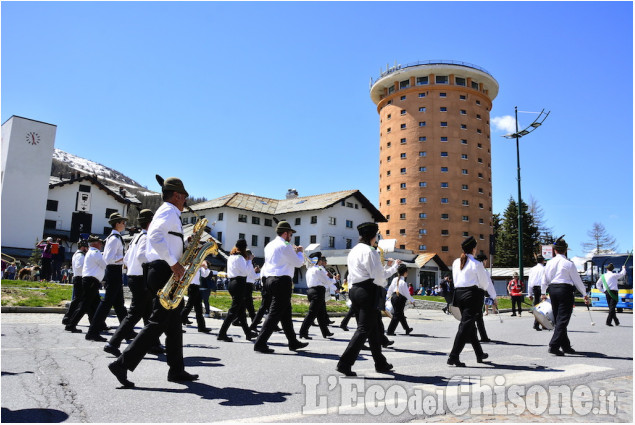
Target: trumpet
<point>307,261</point>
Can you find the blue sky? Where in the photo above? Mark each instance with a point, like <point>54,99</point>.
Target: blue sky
<point>262,97</point>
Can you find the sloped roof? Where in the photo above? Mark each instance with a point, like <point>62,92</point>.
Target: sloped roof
<point>123,196</point>
<point>284,206</point>
<point>423,259</point>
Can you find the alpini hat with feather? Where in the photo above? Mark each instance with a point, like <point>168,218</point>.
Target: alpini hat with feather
<point>116,217</point>
<point>284,226</point>
<point>171,184</point>
<point>94,238</point>
<point>560,244</point>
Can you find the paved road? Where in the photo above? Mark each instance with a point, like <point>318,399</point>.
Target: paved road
<point>52,375</point>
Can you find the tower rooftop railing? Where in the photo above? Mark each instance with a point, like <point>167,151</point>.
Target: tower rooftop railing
<point>428,62</point>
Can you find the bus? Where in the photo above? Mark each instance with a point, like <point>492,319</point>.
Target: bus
<point>596,266</point>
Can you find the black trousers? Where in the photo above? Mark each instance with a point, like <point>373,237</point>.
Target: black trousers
<point>517,300</point>
<point>194,300</point>
<point>78,291</point>
<point>161,321</point>
<point>351,312</point>
<point>612,314</point>
<point>470,302</point>
<point>280,311</point>
<point>88,302</point>
<point>249,300</point>
<point>265,303</point>
<point>237,287</point>
<point>317,308</point>
<point>536,291</point>
<point>398,304</point>
<point>562,300</point>
<point>45,272</point>
<point>140,308</point>
<point>364,296</point>
<point>113,283</point>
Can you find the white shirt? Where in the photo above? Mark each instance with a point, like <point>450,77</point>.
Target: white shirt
<point>562,270</point>
<point>317,276</point>
<point>136,254</point>
<point>252,276</point>
<point>473,274</point>
<point>364,263</point>
<point>535,278</point>
<point>78,262</point>
<point>113,251</point>
<point>94,264</point>
<point>399,284</point>
<point>237,266</point>
<point>281,259</point>
<point>201,272</point>
<point>161,245</point>
<point>611,280</point>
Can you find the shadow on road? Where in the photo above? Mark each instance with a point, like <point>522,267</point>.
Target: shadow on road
<point>230,396</point>
<point>594,355</point>
<point>16,373</point>
<point>33,415</point>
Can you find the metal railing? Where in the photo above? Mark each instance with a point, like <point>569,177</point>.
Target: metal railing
<point>428,62</point>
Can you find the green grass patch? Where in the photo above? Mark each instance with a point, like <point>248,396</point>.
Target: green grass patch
<point>299,304</point>
<point>22,293</point>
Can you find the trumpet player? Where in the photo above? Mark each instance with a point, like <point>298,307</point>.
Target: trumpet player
<point>319,281</point>
<point>164,248</point>
<point>281,259</point>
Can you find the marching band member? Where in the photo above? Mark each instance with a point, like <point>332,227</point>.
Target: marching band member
<point>93,271</point>
<point>281,259</point>
<point>113,280</point>
<point>238,269</point>
<point>77,263</point>
<point>399,295</point>
<point>164,248</point>
<point>607,283</point>
<point>318,282</point>
<point>366,277</point>
<point>195,301</point>
<point>560,280</point>
<point>535,282</point>
<point>480,323</point>
<point>470,282</point>
<point>141,303</point>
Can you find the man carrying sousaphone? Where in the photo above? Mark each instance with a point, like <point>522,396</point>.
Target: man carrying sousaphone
<point>560,280</point>
<point>163,250</point>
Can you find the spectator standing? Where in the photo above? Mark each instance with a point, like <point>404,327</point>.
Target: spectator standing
<point>47,258</point>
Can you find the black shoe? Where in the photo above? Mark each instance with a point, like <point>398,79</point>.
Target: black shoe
<point>121,373</point>
<point>187,322</point>
<point>181,376</point>
<point>390,333</point>
<point>445,310</point>
<point>455,362</point>
<point>609,324</point>
<point>97,338</point>
<point>617,323</point>
<point>251,335</point>
<point>556,352</point>
<point>328,334</point>
<point>409,330</point>
<point>157,350</point>
<point>65,321</point>
<point>112,350</point>
<point>538,328</point>
<point>205,330</point>
<point>297,345</point>
<point>388,344</point>
<point>331,322</point>
<point>304,336</point>
<point>264,350</point>
<point>344,328</point>
<point>225,338</point>
<point>385,368</point>
<point>479,359</point>
<point>72,329</point>
<point>513,314</point>
<point>569,350</point>
<point>345,370</point>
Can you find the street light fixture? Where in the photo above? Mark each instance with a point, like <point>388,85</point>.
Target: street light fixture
<point>542,116</point>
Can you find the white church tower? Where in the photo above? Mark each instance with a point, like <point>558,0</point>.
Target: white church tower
<point>27,153</point>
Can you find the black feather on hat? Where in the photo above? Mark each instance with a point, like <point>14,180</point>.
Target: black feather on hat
<point>317,255</point>
<point>560,244</point>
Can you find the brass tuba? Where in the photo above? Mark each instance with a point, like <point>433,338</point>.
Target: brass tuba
<point>174,290</point>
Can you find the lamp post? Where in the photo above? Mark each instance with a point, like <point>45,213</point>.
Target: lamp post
<point>542,116</point>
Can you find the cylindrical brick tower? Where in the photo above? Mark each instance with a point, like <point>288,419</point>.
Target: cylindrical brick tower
<point>435,177</point>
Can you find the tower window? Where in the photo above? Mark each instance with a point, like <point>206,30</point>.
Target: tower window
<point>422,123</point>
<point>459,81</point>
<point>441,79</point>
<point>420,82</point>
<point>422,109</point>
<point>444,139</point>
<point>444,123</point>
<point>422,139</point>
<point>443,109</point>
